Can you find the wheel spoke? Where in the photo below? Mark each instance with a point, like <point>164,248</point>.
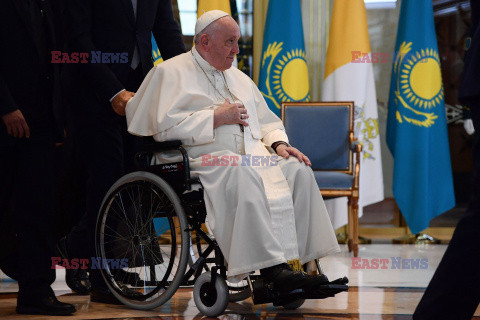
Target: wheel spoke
<point>140,224</point>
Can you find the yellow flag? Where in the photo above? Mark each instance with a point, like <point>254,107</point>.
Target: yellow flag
<point>349,23</point>
<point>207,5</point>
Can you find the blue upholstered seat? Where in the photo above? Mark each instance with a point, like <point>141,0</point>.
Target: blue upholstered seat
<point>333,180</point>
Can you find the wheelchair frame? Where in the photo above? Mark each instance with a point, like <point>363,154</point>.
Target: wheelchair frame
<point>211,293</point>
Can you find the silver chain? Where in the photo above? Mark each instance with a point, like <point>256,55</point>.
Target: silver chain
<point>214,87</point>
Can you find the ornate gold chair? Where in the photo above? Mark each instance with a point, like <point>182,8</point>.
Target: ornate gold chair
<point>324,132</point>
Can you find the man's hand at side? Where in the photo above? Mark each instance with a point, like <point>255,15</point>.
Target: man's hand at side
<point>284,151</point>
<point>230,113</point>
<point>16,124</point>
<point>119,103</point>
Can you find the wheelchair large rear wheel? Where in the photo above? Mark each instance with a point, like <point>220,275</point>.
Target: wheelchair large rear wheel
<point>142,240</point>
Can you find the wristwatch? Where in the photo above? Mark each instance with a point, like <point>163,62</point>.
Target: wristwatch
<point>277,143</point>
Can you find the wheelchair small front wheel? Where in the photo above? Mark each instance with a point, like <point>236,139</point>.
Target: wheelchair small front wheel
<point>238,291</point>
<point>211,300</point>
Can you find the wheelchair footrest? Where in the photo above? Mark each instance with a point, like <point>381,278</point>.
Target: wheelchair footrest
<point>262,293</point>
<point>325,291</point>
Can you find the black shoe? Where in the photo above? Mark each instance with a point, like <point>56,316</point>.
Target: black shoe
<point>47,306</point>
<point>316,280</point>
<point>103,295</point>
<point>77,279</point>
<point>126,277</point>
<point>284,280</point>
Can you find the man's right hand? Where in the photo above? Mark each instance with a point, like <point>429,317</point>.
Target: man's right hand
<point>230,113</point>
<point>16,124</point>
<point>119,103</point>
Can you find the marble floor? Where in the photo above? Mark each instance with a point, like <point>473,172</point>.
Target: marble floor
<point>386,282</point>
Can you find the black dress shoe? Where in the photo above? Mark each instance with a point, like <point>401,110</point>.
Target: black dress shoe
<point>103,295</point>
<point>47,306</point>
<point>127,277</point>
<point>284,280</point>
<point>77,279</point>
<point>316,280</point>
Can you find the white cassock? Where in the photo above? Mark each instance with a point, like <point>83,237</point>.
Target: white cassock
<point>260,213</point>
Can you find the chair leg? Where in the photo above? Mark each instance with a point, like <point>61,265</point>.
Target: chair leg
<point>350,225</point>
<point>355,226</point>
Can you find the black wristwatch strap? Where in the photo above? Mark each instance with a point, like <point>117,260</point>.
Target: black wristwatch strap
<point>277,143</point>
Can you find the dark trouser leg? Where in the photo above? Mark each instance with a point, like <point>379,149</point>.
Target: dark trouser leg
<point>107,151</point>
<point>70,186</point>
<point>454,291</point>
<point>102,152</point>
<point>31,163</point>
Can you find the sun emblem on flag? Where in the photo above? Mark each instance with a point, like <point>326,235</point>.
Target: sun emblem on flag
<point>289,79</point>
<point>419,85</point>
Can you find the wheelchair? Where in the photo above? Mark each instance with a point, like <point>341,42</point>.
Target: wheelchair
<point>150,241</point>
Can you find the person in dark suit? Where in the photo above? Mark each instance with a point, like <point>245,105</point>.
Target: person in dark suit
<point>117,36</point>
<point>454,291</point>
<point>31,123</point>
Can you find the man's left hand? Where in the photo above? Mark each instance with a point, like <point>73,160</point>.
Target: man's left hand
<point>284,151</point>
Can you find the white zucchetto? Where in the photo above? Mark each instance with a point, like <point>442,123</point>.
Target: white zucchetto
<point>207,18</point>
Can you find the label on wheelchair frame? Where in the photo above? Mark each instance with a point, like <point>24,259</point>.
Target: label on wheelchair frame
<point>94,262</point>
<point>171,167</point>
<point>249,160</point>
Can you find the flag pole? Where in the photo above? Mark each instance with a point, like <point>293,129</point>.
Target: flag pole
<point>410,238</point>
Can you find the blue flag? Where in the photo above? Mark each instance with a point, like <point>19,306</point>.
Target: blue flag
<point>156,55</point>
<point>283,68</point>
<point>417,127</point>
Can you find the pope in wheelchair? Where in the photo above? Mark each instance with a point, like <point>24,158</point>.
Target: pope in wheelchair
<point>258,193</point>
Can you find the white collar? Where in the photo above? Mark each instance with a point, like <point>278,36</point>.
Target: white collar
<point>202,62</point>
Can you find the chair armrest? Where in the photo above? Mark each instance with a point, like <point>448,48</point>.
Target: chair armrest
<point>356,146</point>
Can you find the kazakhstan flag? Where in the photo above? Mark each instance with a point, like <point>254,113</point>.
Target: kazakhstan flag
<point>417,126</point>
<point>283,68</point>
<point>156,55</point>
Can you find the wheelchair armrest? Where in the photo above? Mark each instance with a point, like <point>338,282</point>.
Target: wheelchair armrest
<point>152,147</point>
